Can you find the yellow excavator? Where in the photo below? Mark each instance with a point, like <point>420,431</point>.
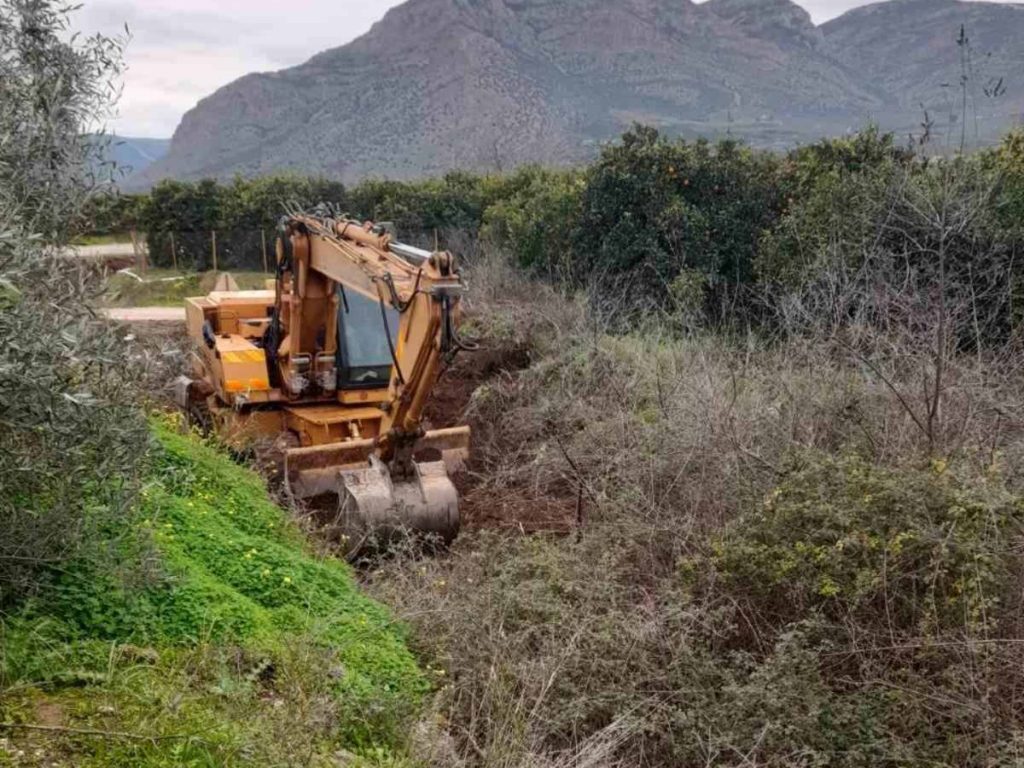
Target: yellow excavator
<point>334,363</point>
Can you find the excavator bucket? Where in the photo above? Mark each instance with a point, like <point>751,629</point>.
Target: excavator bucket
<point>371,505</point>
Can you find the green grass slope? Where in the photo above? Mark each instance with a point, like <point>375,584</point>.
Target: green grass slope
<point>233,646</point>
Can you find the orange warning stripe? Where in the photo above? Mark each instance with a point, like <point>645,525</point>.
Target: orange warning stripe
<point>255,385</point>
<point>245,356</point>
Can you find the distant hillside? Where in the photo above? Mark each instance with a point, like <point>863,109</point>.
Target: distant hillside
<point>910,49</point>
<point>134,155</point>
<point>488,84</point>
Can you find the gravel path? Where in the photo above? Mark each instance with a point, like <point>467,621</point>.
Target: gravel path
<point>108,251</point>
<point>147,314</point>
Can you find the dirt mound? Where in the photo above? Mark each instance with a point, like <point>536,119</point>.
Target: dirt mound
<point>487,501</point>
<point>449,402</point>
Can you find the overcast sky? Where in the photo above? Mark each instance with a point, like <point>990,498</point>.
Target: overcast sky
<point>183,50</point>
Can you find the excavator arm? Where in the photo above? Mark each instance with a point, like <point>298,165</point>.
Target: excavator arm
<point>326,265</point>
<point>425,295</point>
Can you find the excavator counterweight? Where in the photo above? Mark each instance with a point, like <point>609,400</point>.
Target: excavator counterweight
<point>335,363</point>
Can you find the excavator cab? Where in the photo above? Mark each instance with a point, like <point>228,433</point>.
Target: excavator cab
<point>335,365</point>
<point>364,359</point>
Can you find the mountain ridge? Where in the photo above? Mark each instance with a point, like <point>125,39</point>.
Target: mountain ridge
<point>490,84</point>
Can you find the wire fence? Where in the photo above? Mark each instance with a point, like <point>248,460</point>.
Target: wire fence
<point>212,251</point>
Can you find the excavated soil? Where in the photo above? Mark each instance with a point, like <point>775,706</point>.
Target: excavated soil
<point>486,501</point>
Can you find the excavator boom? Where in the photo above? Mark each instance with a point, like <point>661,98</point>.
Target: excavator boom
<point>337,364</point>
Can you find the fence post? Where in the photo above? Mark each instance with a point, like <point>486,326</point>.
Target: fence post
<point>174,254</point>
<point>263,238</point>
<point>213,248</point>
<point>140,254</point>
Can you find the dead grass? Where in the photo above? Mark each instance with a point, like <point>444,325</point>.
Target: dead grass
<point>633,455</point>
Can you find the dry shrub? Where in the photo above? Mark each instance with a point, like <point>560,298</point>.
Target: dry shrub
<point>683,622</point>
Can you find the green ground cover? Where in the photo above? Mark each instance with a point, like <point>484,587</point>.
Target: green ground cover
<point>233,632</point>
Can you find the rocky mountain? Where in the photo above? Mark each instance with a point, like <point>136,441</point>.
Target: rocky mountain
<point>489,84</point>
<point>780,20</point>
<point>132,155</point>
<point>913,50</point>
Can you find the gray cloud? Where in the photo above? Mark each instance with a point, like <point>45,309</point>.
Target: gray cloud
<point>183,50</point>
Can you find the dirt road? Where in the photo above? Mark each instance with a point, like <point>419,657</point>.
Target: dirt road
<point>101,252</point>
<point>134,315</point>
